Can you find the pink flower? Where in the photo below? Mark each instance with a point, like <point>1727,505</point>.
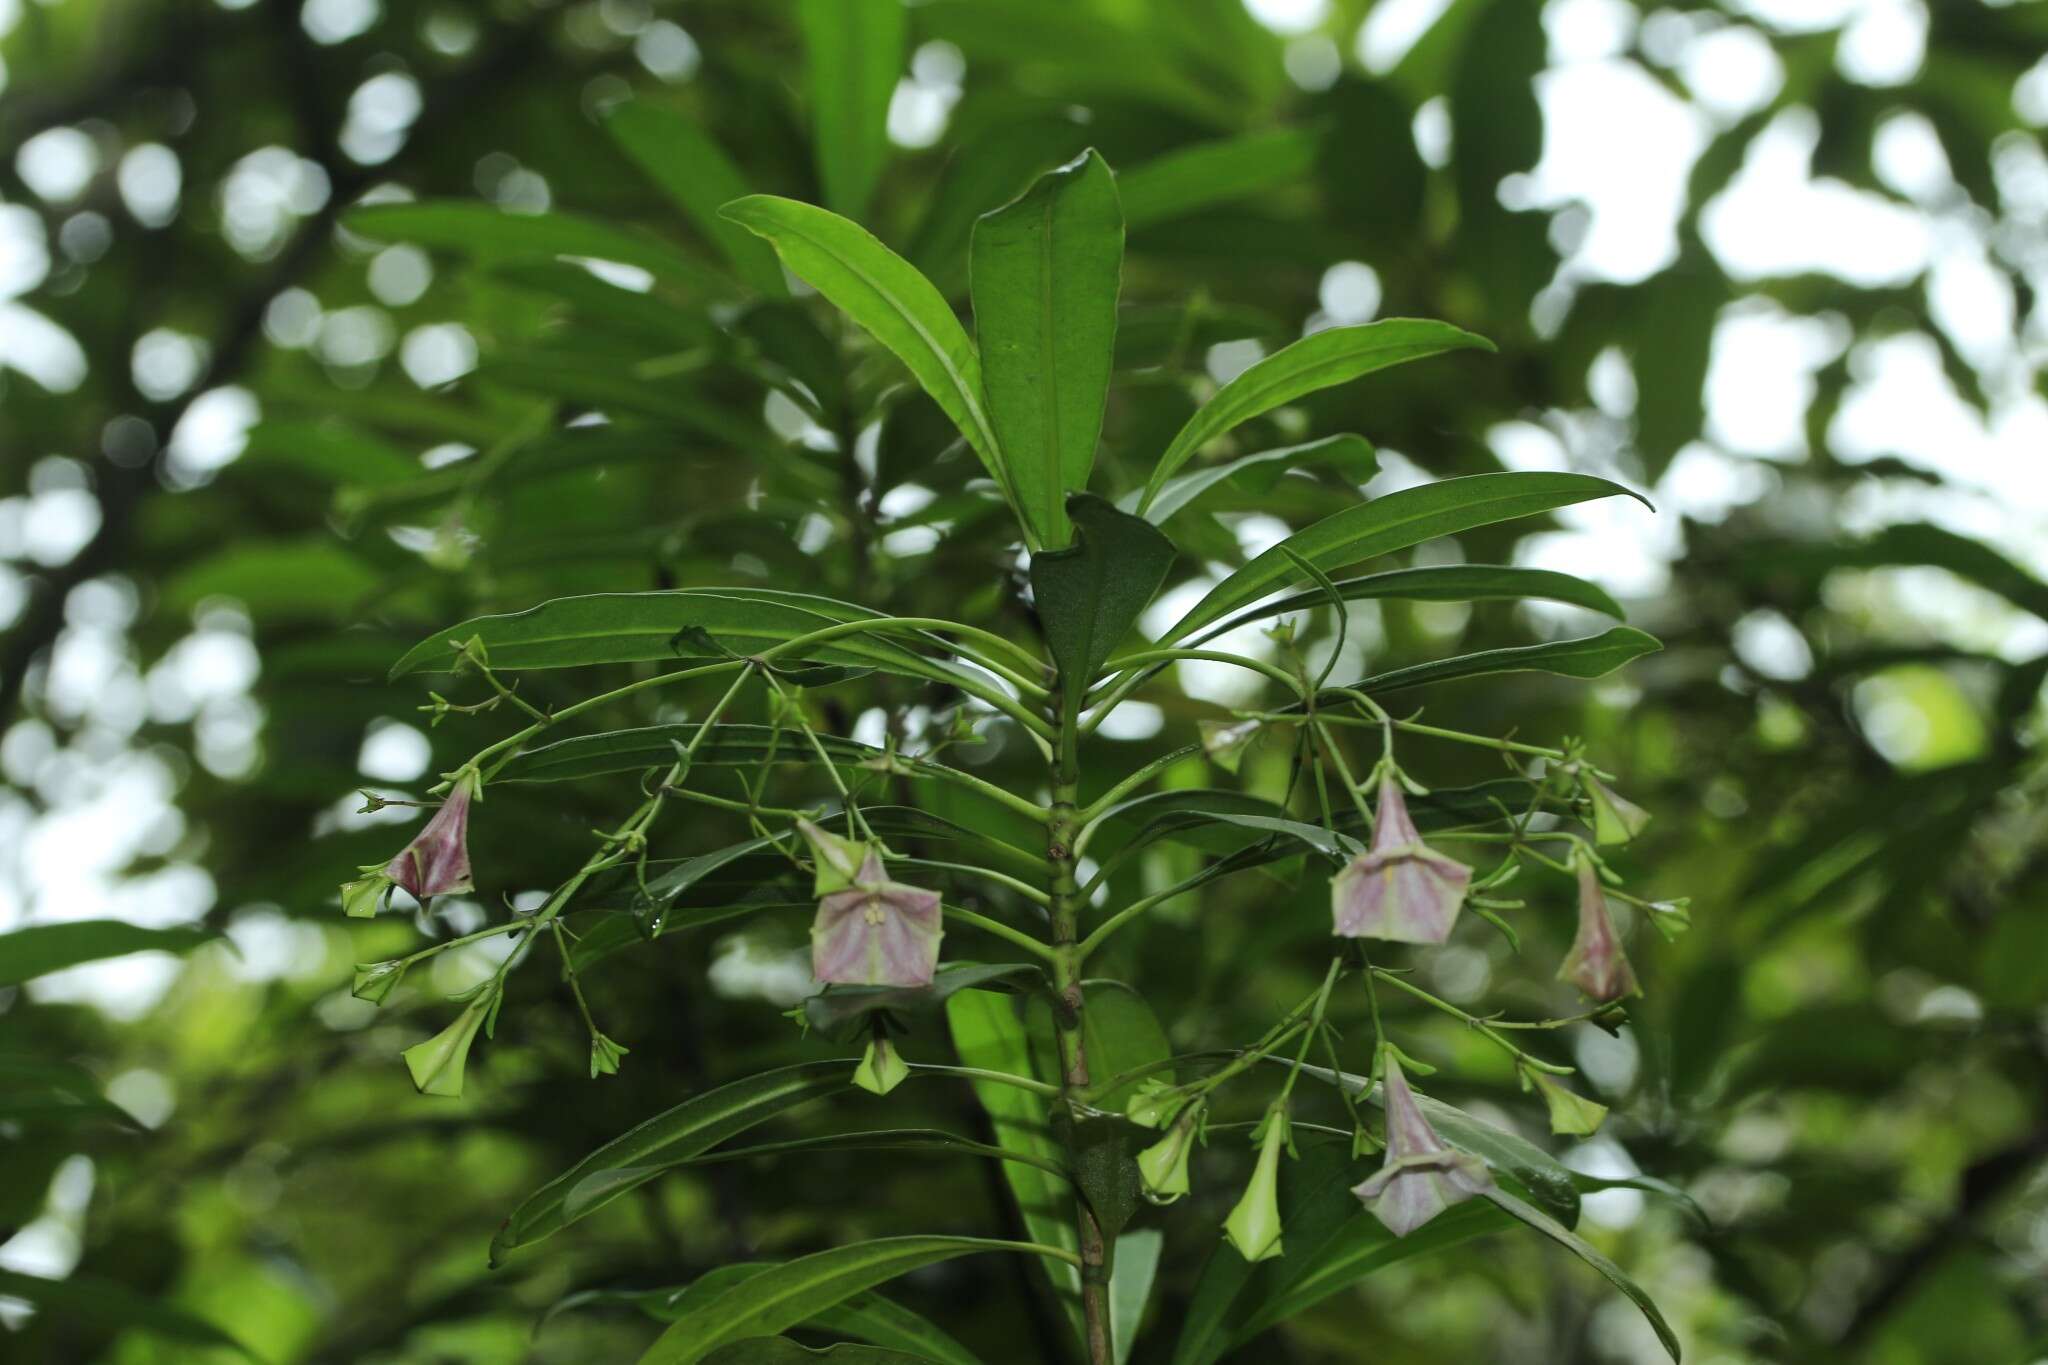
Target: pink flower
<point>1596,964</point>
<point>437,860</point>
<point>876,932</point>
<point>1422,1177</point>
<point>1402,889</point>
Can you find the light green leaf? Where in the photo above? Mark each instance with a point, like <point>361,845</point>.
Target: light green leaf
<point>1591,656</point>
<point>783,1351</point>
<point>1351,456</point>
<point>856,50</point>
<point>696,1125</point>
<point>887,296</point>
<point>1443,583</point>
<point>1045,274</point>
<point>1394,522</point>
<point>313,579</point>
<point>1132,1270</point>
<point>988,1032</point>
<point>1090,594</point>
<point>488,231</point>
<point>1335,355</point>
<point>43,948</point>
<point>104,1303</point>
<point>695,173</point>
<point>785,1295</point>
<point>1208,173</point>
<point>1581,1248</point>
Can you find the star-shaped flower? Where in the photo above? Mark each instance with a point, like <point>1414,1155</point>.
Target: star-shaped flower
<point>876,932</point>
<point>1422,1176</point>
<point>1401,889</point>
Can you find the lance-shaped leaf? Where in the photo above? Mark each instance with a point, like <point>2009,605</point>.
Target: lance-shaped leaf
<point>1591,656</point>
<point>105,1304</point>
<point>1351,456</point>
<point>1392,523</point>
<point>694,1126</point>
<point>488,231</point>
<point>1581,1248</point>
<point>1336,355</point>
<point>783,1351</point>
<point>794,1292</point>
<point>842,1012</point>
<point>1091,593</point>
<point>1434,583</point>
<point>856,50</point>
<point>43,948</point>
<point>697,175</point>
<point>1045,273</point>
<point>1208,173</point>
<point>887,297</point>
<point>649,746</point>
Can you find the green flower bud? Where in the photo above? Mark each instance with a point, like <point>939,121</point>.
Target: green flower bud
<point>882,1067</point>
<point>374,980</point>
<point>1569,1112</point>
<point>363,897</point>
<point>605,1055</point>
<point>436,1065</point>
<point>1163,1167</point>
<point>1253,1227</point>
<point>1615,820</point>
<point>1154,1103</point>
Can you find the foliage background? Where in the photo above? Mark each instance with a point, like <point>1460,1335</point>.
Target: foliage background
<point>1775,262</point>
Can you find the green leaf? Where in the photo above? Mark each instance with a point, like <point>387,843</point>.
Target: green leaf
<point>1590,656</point>
<point>696,1125</point>
<point>842,1011</point>
<point>1119,1034</point>
<point>1909,544</point>
<point>651,746</point>
<point>296,580</point>
<point>486,230</point>
<point>695,173</point>
<point>1209,173</point>
<point>43,948</point>
<point>1045,274</point>
<point>1090,594</point>
<point>785,1295</point>
<point>1336,355</point>
<point>1394,522</point>
<point>1132,1270</point>
<point>887,297</point>
<point>104,1303</point>
<point>1581,1248</point>
<point>988,1032</point>
<point>1351,456</point>
<point>856,50</point>
<point>1445,583</point>
<point>783,1351</point>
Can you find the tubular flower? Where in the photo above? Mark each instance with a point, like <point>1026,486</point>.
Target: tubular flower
<point>436,862</point>
<point>876,932</point>
<point>1422,1177</point>
<point>1596,964</point>
<point>436,1065</point>
<point>1401,889</point>
<point>1253,1227</point>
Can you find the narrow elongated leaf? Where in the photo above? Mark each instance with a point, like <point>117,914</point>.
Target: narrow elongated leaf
<point>103,1303</point>
<point>783,1351</point>
<point>1394,522</point>
<point>694,172</point>
<point>1351,456</point>
<point>1336,355</point>
<point>696,1125</point>
<point>785,1295</point>
<point>988,1032</point>
<point>1907,544</point>
<point>842,1011</point>
<point>1090,594</point>
<point>43,948</point>
<point>1045,273</point>
<point>1209,173</point>
<point>887,297</point>
<point>486,230</point>
<point>856,50</point>
<point>1584,1250</point>
<point>649,746</point>
<point>1591,656</point>
<point>1442,583</point>
<point>1135,1266</point>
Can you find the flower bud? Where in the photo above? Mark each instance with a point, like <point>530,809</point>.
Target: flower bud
<point>374,980</point>
<point>1154,1103</point>
<point>876,932</point>
<point>1401,889</point>
<point>1570,1112</point>
<point>436,862</point>
<point>1422,1175</point>
<point>1163,1167</point>
<point>1615,820</point>
<point>436,1065</point>
<point>1596,963</point>
<point>882,1067</point>
<point>363,897</point>
<point>605,1055</point>
<point>1225,741</point>
<point>1253,1227</point>
<point>837,860</point>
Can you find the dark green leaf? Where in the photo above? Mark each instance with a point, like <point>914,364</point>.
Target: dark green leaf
<point>1579,1247</point>
<point>485,230</point>
<point>43,948</point>
<point>842,1011</point>
<point>783,1351</point>
<point>103,1304</point>
<point>1196,177</point>
<point>856,51</point>
<point>1444,583</point>
<point>1090,594</point>
<point>694,172</point>
<point>1592,656</point>
<point>1352,457</point>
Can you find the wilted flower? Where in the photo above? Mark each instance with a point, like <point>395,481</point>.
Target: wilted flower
<point>1401,889</point>
<point>882,1067</point>
<point>876,932</point>
<point>1253,1227</point>
<point>1422,1176</point>
<point>1570,1112</point>
<point>436,1065</point>
<point>436,862</point>
<point>1163,1167</point>
<point>1596,964</point>
<point>1615,819</point>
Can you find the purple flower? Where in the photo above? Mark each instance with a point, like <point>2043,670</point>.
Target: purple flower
<point>437,860</point>
<point>1422,1177</point>
<point>876,932</point>
<point>1401,889</point>
<point>1596,964</point>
